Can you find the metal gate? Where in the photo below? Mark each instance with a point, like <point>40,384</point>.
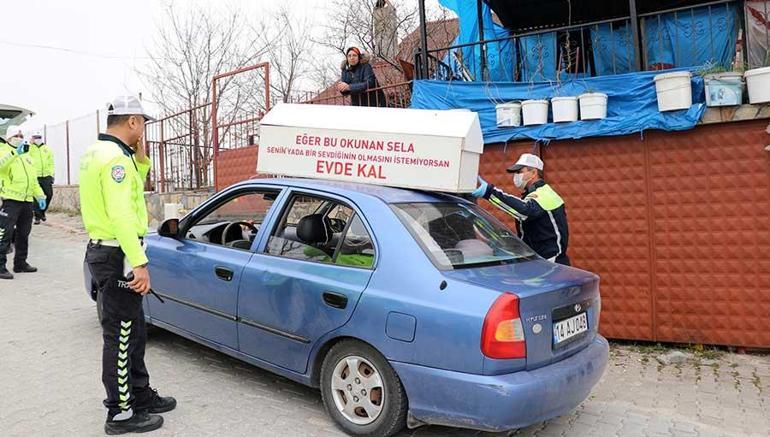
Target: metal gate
<point>235,122</point>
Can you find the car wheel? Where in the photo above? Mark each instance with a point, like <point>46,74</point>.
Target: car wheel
<point>361,391</point>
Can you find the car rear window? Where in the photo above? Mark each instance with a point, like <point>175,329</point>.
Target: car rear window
<point>461,235</point>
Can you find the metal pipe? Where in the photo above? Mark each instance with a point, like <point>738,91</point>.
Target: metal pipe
<point>634,18</point>
<point>162,160</point>
<point>267,86</point>
<point>683,8</point>
<point>67,136</point>
<point>483,51</point>
<point>423,40</point>
<point>214,130</point>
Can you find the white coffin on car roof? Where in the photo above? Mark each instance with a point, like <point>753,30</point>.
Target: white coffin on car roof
<point>408,148</point>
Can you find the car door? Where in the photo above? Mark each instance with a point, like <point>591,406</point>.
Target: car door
<point>198,273</point>
<point>297,288</point>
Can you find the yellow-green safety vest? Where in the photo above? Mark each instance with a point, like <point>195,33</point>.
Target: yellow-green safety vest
<point>42,156</point>
<point>18,177</point>
<point>112,196</point>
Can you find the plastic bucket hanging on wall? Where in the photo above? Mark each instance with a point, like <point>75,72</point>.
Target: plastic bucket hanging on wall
<point>535,112</point>
<point>593,106</point>
<point>565,109</point>
<point>758,83</point>
<point>674,91</point>
<point>508,114</point>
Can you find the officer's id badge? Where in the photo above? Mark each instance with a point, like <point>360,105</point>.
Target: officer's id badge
<point>118,173</point>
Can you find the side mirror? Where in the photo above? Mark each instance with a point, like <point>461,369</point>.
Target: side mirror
<point>169,228</point>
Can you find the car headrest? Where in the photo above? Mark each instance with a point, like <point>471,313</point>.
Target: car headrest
<point>313,229</point>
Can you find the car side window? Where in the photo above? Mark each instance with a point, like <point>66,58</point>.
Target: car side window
<point>357,249</point>
<point>312,228</point>
<point>235,222</point>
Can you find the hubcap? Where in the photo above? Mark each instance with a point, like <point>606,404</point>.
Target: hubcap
<point>358,390</point>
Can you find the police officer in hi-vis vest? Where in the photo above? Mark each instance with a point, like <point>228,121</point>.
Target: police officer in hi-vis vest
<point>42,156</point>
<point>112,175</point>
<point>540,212</point>
<point>18,191</point>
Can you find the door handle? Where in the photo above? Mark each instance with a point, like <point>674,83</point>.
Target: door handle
<point>223,273</point>
<point>335,300</point>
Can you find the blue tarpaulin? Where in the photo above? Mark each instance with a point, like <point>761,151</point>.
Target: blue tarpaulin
<point>632,105</point>
<point>500,55</point>
<point>613,48</point>
<point>538,57</point>
<point>691,38</point>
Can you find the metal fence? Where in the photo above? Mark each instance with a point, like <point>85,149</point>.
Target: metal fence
<point>69,140</point>
<point>180,147</point>
<point>397,95</point>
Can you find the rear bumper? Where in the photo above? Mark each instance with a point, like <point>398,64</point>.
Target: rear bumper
<point>502,402</point>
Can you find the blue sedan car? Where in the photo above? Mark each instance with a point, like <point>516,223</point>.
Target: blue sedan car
<point>404,307</point>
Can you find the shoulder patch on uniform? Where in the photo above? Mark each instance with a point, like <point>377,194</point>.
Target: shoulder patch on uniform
<point>118,173</point>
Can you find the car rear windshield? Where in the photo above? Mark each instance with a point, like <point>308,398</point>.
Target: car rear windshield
<point>460,235</point>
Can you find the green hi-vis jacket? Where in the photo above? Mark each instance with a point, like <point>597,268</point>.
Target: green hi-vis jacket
<point>42,156</point>
<point>112,196</point>
<point>18,177</point>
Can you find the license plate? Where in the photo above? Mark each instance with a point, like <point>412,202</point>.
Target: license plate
<point>569,328</point>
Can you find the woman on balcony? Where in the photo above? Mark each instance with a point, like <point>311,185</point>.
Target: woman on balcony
<point>358,80</point>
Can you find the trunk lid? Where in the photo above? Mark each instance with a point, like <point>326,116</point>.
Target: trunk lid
<point>548,293</point>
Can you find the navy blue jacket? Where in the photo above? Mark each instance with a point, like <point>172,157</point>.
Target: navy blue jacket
<point>361,78</point>
<point>541,216</point>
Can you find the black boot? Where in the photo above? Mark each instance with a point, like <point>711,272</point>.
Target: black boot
<point>24,268</point>
<point>156,403</point>
<point>5,274</point>
<point>37,220</point>
<point>138,423</point>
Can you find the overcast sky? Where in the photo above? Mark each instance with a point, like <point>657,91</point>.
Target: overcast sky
<point>63,59</point>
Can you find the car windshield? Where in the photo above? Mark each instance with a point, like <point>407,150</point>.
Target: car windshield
<point>458,235</point>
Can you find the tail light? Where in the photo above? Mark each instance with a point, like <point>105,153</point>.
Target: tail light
<point>502,335</point>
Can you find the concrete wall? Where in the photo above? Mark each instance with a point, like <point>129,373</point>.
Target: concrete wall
<point>66,199</point>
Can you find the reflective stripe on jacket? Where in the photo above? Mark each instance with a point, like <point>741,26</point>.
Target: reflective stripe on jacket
<point>541,214</point>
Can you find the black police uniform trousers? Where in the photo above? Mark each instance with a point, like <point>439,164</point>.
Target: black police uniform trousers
<point>15,224</point>
<point>46,183</point>
<point>124,373</point>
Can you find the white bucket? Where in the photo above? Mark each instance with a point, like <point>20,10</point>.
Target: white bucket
<point>564,109</point>
<point>535,112</point>
<point>593,106</point>
<point>674,91</point>
<point>758,83</point>
<point>508,114</point>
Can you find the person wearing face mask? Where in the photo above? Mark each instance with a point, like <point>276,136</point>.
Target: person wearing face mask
<point>358,79</point>
<point>540,212</point>
<point>18,190</point>
<point>42,156</point>
<point>112,175</point>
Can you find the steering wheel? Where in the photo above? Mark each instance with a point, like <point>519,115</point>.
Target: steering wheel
<point>336,225</point>
<point>239,223</point>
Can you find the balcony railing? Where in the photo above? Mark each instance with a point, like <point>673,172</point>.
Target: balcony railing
<point>679,37</point>
<point>396,95</point>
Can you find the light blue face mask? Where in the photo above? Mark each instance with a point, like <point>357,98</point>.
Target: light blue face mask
<point>519,182</point>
